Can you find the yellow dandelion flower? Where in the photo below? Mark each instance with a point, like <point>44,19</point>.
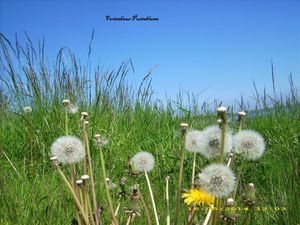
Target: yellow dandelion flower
<point>197,197</point>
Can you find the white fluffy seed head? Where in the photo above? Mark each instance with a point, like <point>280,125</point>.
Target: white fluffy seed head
<point>217,179</point>
<point>27,109</point>
<point>210,143</point>
<point>192,141</point>
<point>143,161</point>
<point>68,149</point>
<point>249,144</point>
<point>85,177</point>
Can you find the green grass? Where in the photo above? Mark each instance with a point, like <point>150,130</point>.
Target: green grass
<point>132,121</point>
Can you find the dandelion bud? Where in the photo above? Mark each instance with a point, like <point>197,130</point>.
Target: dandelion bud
<point>229,202</point>
<point>27,109</point>
<point>229,214</point>
<point>79,183</point>
<point>221,109</point>
<point>85,177</point>
<point>123,181</point>
<point>84,116</point>
<point>54,161</point>
<point>184,125</point>
<point>97,136</point>
<point>249,196</point>
<point>66,102</point>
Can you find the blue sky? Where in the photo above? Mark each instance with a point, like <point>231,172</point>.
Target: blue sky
<point>216,46</point>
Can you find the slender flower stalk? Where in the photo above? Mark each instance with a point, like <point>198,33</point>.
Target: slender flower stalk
<point>152,198</point>
<point>184,127</point>
<point>193,170</point>
<point>168,200</point>
<point>241,116</point>
<point>83,214</point>
<point>111,209</point>
<point>145,207</point>
<point>85,179</point>
<point>91,173</point>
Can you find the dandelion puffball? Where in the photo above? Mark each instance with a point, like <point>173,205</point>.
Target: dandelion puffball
<point>143,161</point>
<point>217,179</point>
<point>68,149</point>
<point>249,144</point>
<point>27,109</point>
<point>192,141</point>
<point>210,142</point>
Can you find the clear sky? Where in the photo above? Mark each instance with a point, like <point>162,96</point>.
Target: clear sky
<point>216,46</point>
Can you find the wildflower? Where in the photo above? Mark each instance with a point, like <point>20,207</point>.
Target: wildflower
<point>249,144</point>
<point>100,140</point>
<point>192,141</point>
<point>197,197</point>
<point>27,109</point>
<point>210,143</point>
<point>143,161</point>
<point>68,149</point>
<point>217,179</point>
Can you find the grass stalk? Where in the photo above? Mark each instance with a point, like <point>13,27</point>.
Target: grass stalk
<point>145,208</point>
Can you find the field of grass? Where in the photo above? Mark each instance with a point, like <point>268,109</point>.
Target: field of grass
<point>31,192</point>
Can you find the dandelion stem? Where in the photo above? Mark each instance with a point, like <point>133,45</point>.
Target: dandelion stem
<point>152,198</point>
<point>168,201</point>
<point>84,216</point>
<point>238,178</point>
<point>111,209</point>
<point>91,176</point>
<point>66,122</point>
<point>183,135</point>
<point>145,207</point>
<point>128,220</point>
<point>193,170</point>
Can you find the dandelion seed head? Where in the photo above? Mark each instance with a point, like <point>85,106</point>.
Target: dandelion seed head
<point>68,149</point>
<point>143,161</point>
<point>242,113</point>
<point>210,143</point>
<point>73,109</point>
<point>100,140</point>
<point>249,144</point>
<point>217,179</point>
<point>192,141</point>
<point>27,109</point>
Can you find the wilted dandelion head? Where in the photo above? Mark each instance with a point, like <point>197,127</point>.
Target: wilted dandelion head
<point>27,109</point>
<point>100,140</point>
<point>249,144</point>
<point>143,161</point>
<point>192,141</point>
<point>217,179</point>
<point>211,142</point>
<point>68,149</point>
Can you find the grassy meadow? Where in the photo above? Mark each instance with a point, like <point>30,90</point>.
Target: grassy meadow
<point>31,192</point>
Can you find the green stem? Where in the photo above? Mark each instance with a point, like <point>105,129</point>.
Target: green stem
<point>66,122</point>
<point>111,209</point>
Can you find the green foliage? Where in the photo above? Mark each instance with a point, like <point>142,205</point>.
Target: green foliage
<point>132,121</point>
